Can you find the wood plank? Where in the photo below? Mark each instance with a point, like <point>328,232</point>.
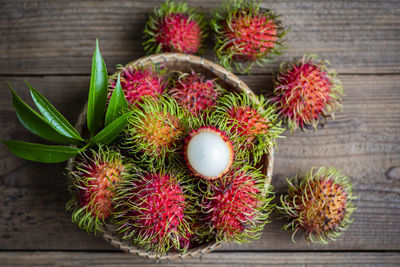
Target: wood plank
<point>46,37</point>
<point>364,141</point>
<point>72,259</point>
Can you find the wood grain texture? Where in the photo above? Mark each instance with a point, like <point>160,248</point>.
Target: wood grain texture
<point>72,259</point>
<point>46,37</point>
<point>364,141</point>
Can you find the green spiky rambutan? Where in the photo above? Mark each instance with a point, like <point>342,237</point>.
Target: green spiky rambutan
<point>155,130</point>
<point>306,91</point>
<point>138,82</point>
<point>253,119</point>
<point>174,27</point>
<point>154,210</point>
<point>194,92</point>
<point>246,34</point>
<point>320,204</point>
<point>237,205</point>
<point>94,179</point>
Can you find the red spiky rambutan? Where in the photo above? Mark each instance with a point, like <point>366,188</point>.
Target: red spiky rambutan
<point>246,34</point>
<point>174,27</point>
<point>138,82</point>
<point>305,91</point>
<point>236,205</point>
<point>154,209</point>
<point>320,204</point>
<point>194,92</point>
<point>94,180</point>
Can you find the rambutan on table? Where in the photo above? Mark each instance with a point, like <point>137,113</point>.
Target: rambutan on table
<point>50,44</point>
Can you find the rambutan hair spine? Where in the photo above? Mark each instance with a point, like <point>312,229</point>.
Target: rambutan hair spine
<point>253,119</point>
<point>306,91</point>
<point>93,179</point>
<point>320,204</point>
<point>155,210</point>
<point>155,131</point>
<point>236,47</point>
<point>175,27</point>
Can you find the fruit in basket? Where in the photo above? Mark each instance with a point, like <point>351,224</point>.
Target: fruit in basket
<point>154,209</point>
<point>246,34</point>
<point>195,92</point>
<point>174,27</point>
<point>236,205</point>
<point>94,178</point>
<point>306,91</point>
<point>320,204</point>
<point>138,82</point>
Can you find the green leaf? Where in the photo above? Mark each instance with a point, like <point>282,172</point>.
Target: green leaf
<point>109,133</point>
<point>39,152</point>
<point>34,122</point>
<point>97,92</point>
<point>53,116</point>
<point>117,103</point>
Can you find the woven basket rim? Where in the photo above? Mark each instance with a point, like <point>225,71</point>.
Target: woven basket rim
<point>109,235</point>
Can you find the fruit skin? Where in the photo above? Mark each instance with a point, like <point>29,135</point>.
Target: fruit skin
<point>237,206</point>
<point>195,92</point>
<point>246,34</point>
<point>306,91</point>
<point>155,130</point>
<point>154,210</point>
<point>174,27</point>
<point>252,119</point>
<point>93,181</point>
<point>320,204</point>
<point>138,82</point>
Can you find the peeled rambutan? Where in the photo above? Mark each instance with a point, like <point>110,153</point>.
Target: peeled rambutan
<point>306,91</point>
<point>138,82</point>
<point>174,27</point>
<point>155,129</point>
<point>194,92</point>
<point>246,34</point>
<point>94,179</point>
<point>252,119</point>
<point>319,204</point>
<point>237,205</point>
<point>154,210</point>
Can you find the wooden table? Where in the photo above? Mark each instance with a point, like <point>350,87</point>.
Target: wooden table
<point>50,44</point>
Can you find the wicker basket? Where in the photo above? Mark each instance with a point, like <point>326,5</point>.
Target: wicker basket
<point>181,62</point>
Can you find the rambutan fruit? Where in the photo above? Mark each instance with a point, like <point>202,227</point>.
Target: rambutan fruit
<point>237,205</point>
<point>154,210</point>
<point>94,179</point>
<point>138,82</point>
<point>246,34</point>
<point>320,204</point>
<point>252,119</point>
<point>154,131</point>
<point>174,27</point>
<point>306,91</point>
<point>195,92</point>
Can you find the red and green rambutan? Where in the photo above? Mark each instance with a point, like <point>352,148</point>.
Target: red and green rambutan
<point>320,204</point>
<point>252,119</point>
<point>246,34</point>
<point>94,179</point>
<point>155,130</point>
<point>174,27</point>
<point>306,91</point>
<point>139,82</point>
<point>154,210</point>
<point>195,92</point>
<point>237,206</point>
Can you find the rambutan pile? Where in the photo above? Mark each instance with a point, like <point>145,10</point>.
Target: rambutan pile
<point>174,27</point>
<point>320,204</point>
<point>306,91</point>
